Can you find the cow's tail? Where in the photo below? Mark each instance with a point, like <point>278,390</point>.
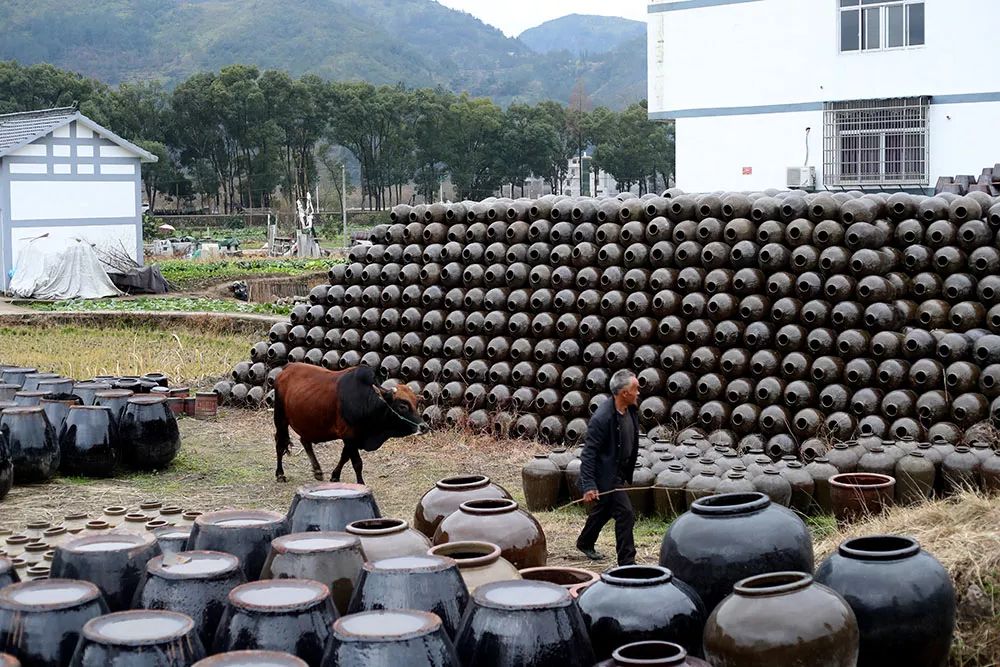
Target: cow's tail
<point>282,440</point>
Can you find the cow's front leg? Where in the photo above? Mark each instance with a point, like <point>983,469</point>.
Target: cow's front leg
<point>356,462</point>
<point>317,469</point>
<point>345,455</point>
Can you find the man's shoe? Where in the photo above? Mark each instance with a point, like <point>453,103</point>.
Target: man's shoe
<point>590,553</point>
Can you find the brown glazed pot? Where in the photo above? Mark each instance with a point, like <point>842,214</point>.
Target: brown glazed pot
<point>478,562</point>
<point>541,479</point>
<point>500,521</point>
<point>569,578</point>
<point>388,538</point>
<point>856,495</point>
<point>447,495</point>
<point>782,618</point>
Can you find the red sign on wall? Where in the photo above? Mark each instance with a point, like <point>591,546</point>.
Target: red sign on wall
<point>748,171</point>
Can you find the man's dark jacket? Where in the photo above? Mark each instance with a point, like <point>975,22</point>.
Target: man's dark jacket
<point>602,449</point>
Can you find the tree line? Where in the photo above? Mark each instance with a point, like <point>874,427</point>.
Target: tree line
<point>242,136</point>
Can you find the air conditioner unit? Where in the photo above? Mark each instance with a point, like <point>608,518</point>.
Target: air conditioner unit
<point>801,177</point>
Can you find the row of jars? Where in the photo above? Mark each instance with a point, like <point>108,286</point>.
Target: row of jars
<point>410,224</point>
<point>669,476</point>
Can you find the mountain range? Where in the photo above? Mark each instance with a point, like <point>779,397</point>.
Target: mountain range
<point>419,43</point>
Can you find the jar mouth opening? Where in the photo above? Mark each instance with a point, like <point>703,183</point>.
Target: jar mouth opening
<point>567,577</point>
<point>729,504</point>
<point>637,575</point>
<point>650,653</point>
<point>773,583</point>
<point>868,480</point>
<point>489,506</point>
<point>463,482</point>
<point>377,526</point>
<point>880,547</point>
<point>468,554</point>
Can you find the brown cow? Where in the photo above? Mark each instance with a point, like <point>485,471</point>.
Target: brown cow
<point>321,405</point>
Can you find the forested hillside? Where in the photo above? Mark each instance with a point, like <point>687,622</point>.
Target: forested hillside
<point>416,42</point>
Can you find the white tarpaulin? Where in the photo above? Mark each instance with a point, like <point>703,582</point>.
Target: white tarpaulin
<point>60,269</point>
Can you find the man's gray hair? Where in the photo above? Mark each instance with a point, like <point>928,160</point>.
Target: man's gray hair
<point>621,380</point>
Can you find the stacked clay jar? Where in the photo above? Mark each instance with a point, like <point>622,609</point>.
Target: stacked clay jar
<point>777,319</point>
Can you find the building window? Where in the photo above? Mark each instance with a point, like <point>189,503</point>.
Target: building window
<point>871,25</point>
<point>876,142</point>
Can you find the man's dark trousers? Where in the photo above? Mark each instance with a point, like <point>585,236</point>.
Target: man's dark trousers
<point>615,505</point>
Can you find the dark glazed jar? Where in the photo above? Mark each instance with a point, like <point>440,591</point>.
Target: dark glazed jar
<point>517,623</point>
<point>331,558</point>
<point>34,450</point>
<point>330,506</point>
<point>197,584</point>
<point>114,562</point>
<point>902,597</point>
<point>291,615</point>
<point>41,621</point>
<point>246,534</point>
<point>500,521</point>
<point>425,583</point>
<point>782,618</point>
<point>88,442</point>
<point>641,602</point>
<point>146,638</point>
<point>446,496</point>
<point>8,574</point>
<point>398,637</point>
<point>541,480</point>
<point>252,659</point>
<point>149,436</point>
<point>724,537</point>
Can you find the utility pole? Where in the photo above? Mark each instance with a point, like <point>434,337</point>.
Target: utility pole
<point>343,204</point>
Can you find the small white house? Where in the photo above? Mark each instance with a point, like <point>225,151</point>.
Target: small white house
<point>64,175</point>
<point>879,94</point>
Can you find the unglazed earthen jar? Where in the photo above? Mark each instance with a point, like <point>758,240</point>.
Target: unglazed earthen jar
<point>782,618</point>
<point>915,475</point>
<point>387,538</point>
<point>331,558</point>
<point>479,563</point>
<point>856,495</point>
<point>502,522</point>
<point>446,496</point>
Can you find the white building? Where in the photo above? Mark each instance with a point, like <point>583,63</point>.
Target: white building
<point>606,185</point>
<point>870,93</point>
<point>64,175</point>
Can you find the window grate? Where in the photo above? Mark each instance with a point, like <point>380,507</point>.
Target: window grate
<point>876,142</point>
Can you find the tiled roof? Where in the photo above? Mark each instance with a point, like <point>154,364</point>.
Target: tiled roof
<point>17,129</point>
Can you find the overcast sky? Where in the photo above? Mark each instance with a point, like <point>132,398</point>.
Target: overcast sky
<point>515,16</point>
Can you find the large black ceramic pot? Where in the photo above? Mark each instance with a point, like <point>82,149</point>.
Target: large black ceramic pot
<point>330,506</point>
<point>388,638</point>
<point>88,443</point>
<point>641,602</point>
<point>116,399</point>
<point>34,450</point>
<point>196,583</point>
<point>149,436</point>
<point>722,539</point>
<point>8,575</point>
<point>246,534</point>
<point>16,375</point>
<point>172,539</point>
<point>6,468</point>
<point>515,623</point>
<point>40,621</point>
<point>782,618</point>
<point>331,558</point>
<point>140,639</point>
<point>902,596</point>
<point>252,659</point>
<point>87,390</point>
<point>425,583</point>
<point>291,615</point>
<point>447,495</point>
<point>115,562</point>
<point>56,408</point>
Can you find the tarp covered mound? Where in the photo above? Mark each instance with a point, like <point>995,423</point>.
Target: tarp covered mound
<point>48,268</point>
<point>147,280</point>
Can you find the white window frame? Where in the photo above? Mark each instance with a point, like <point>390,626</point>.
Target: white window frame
<point>883,6</point>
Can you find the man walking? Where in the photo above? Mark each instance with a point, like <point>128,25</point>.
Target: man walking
<point>610,450</point>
